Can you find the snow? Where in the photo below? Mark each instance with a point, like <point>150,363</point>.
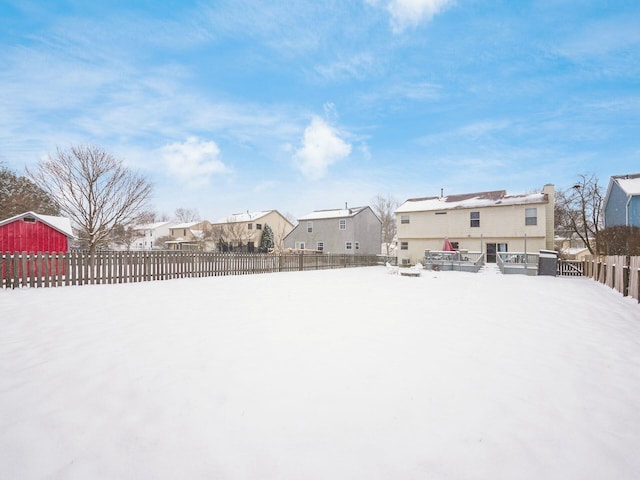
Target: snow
<point>151,226</point>
<point>243,217</point>
<point>185,225</point>
<point>443,203</point>
<point>340,374</point>
<point>630,185</point>
<point>338,213</point>
<point>62,224</point>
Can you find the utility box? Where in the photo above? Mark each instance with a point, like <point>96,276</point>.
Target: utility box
<point>548,262</point>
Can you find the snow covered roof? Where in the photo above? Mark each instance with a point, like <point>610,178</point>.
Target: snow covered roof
<point>494,198</point>
<point>150,226</point>
<point>629,183</point>
<point>62,224</point>
<point>185,225</point>
<point>337,213</point>
<point>243,217</point>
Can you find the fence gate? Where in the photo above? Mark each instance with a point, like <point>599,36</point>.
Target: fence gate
<point>571,268</point>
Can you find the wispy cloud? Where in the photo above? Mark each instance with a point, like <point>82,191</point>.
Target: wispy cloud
<point>410,13</point>
<point>193,162</point>
<point>321,148</point>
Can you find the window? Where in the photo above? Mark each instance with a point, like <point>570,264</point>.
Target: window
<point>404,245</point>
<point>441,213</point>
<point>342,224</point>
<point>348,246</point>
<point>184,232</point>
<point>404,218</point>
<point>357,245</point>
<point>299,245</point>
<point>258,226</point>
<point>475,219</point>
<point>250,226</point>
<point>455,245</point>
<point>320,246</point>
<point>309,227</point>
<point>531,216</point>
<point>29,220</point>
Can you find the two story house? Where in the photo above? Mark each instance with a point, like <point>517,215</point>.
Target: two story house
<point>488,222</point>
<point>148,235</point>
<point>349,230</point>
<point>243,231</point>
<point>190,236</point>
<point>622,201</point>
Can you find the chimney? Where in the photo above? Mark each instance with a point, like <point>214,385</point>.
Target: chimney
<point>345,206</point>
<point>441,192</point>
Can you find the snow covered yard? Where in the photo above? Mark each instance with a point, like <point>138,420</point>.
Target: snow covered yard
<point>341,374</point>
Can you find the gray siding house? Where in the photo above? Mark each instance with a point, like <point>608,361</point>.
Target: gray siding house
<point>622,201</point>
<point>349,230</point>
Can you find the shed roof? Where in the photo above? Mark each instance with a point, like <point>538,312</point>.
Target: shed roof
<point>493,198</point>
<point>61,224</point>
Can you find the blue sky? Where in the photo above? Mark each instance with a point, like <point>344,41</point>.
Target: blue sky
<point>238,105</point>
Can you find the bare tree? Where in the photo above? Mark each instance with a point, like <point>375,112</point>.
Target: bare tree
<point>125,236</point>
<point>579,210</point>
<point>186,215</point>
<point>94,189</point>
<point>385,208</point>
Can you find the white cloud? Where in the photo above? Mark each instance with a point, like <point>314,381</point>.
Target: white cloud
<point>322,147</point>
<point>193,162</point>
<point>410,13</point>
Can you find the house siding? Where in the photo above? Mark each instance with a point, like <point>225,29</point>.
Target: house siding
<point>615,212</point>
<point>427,229</point>
<point>364,227</point>
<point>634,211</point>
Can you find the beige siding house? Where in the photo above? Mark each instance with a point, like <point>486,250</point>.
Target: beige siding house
<point>487,222</point>
<point>243,231</point>
<point>190,236</point>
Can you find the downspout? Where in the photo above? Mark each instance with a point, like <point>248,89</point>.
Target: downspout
<point>627,211</point>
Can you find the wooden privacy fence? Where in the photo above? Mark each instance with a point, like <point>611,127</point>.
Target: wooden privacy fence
<point>79,268</point>
<point>619,272</point>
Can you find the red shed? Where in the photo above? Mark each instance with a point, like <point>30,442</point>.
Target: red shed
<point>32,233</point>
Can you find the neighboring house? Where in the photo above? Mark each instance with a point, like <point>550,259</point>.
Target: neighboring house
<point>571,246</point>
<point>190,236</point>
<point>349,230</point>
<point>149,234</point>
<point>32,233</point>
<point>622,201</point>
<point>243,231</point>
<point>489,222</point>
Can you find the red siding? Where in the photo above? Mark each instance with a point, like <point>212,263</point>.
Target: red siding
<point>21,236</point>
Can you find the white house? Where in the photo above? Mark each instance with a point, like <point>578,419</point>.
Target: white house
<point>149,233</point>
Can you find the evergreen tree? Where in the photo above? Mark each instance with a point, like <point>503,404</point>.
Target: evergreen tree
<point>18,195</point>
<point>266,241</point>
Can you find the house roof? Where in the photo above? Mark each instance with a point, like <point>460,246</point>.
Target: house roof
<point>629,183</point>
<point>150,226</point>
<point>185,225</point>
<point>337,213</point>
<point>494,198</point>
<point>243,217</point>
<point>62,224</point>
